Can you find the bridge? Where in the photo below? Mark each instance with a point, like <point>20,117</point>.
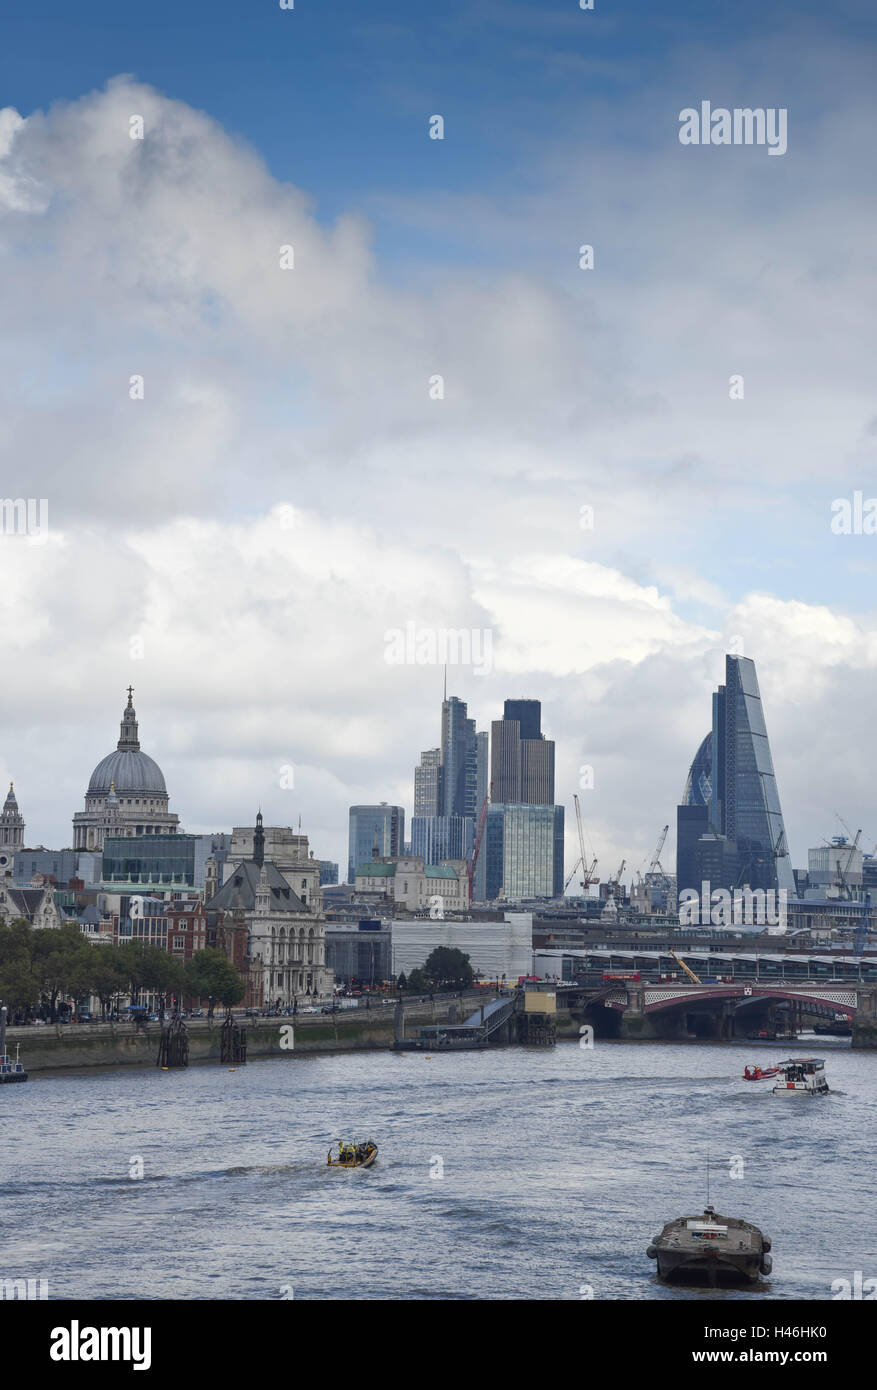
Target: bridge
<point>721,1010</point>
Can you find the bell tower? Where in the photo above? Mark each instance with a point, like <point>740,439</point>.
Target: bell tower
<point>11,824</point>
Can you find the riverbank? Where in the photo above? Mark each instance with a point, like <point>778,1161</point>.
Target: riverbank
<point>74,1047</point>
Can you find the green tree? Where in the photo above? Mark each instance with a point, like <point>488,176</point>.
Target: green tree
<point>210,975</point>
<point>18,983</point>
<point>448,968</point>
<point>402,983</point>
<point>61,963</point>
<point>417,982</point>
<point>107,975</point>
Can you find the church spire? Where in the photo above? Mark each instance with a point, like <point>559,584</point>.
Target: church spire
<point>129,736</point>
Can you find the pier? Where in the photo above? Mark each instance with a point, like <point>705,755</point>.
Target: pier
<point>527,1016</point>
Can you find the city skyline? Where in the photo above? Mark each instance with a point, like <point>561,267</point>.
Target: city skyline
<point>129,730</point>
<point>586,489</point>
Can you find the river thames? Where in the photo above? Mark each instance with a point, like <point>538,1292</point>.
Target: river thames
<point>510,1173</point>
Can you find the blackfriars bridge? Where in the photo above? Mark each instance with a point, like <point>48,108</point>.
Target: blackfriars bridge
<point>677,1009</point>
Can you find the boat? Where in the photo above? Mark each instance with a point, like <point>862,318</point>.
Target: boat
<point>11,1070</point>
<point>711,1249</point>
<point>801,1076</point>
<point>756,1073</point>
<point>354,1155</point>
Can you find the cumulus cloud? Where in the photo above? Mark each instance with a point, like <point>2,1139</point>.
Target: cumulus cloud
<point>287,491</point>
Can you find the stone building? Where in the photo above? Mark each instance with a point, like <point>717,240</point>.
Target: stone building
<point>282,913</point>
<point>126,794</point>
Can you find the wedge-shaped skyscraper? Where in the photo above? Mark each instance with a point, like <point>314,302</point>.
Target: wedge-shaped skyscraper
<point>730,825</point>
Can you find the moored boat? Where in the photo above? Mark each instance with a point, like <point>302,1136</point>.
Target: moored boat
<point>9,1070</point>
<point>711,1249</point>
<point>354,1155</point>
<point>801,1076</point>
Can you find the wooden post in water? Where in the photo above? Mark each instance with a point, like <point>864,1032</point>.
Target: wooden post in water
<point>173,1046</point>
<point>232,1041</point>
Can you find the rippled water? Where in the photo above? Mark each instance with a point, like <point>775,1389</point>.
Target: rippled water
<point>559,1166</point>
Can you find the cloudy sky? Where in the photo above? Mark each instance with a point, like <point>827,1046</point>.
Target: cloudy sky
<point>238,542</point>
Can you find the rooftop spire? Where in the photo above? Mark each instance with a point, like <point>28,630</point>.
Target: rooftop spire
<point>259,842</point>
<point>129,736</point>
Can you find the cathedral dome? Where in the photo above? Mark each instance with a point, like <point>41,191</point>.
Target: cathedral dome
<point>131,770</point>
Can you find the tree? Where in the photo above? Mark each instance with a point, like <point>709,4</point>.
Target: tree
<point>18,984</point>
<point>108,976</point>
<point>61,963</point>
<point>417,982</point>
<point>211,975</point>
<point>449,967</point>
<point>402,983</point>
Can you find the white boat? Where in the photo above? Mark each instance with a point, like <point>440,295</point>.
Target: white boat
<point>802,1076</point>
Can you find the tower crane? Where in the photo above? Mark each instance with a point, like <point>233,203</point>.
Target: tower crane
<point>588,875</point>
<point>690,973</point>
<point>655,866</point>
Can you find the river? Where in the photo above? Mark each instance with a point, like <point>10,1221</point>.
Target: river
<point>509,1173</point>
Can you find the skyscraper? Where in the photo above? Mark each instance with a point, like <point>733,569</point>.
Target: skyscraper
<point>730,825</point>
<point>522,758</point>
<point>524,827</point>
<point>524,851</point>
<point>374,826</point>
<point>428,784</point>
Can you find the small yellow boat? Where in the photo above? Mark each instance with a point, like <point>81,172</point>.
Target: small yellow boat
<point>354,1155</point>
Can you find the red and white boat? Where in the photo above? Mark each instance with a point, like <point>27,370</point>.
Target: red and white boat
<point>757,1073</point>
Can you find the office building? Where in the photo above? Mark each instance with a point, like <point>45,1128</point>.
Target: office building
<point>730,828</point>
<point>524,851</point>
<point>522,759</point>
<point>374,831</point>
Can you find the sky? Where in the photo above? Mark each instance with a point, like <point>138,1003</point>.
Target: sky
<point>432,414</point>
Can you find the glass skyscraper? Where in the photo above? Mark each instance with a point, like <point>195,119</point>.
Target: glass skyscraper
<point>383,826</point>
<point>730,825</point>
<point>524,851</point>
<point>434,838</point>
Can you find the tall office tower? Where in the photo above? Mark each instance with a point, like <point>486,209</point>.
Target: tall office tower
<point>730,827</point>
<point>524,847</point>
<point>437,838</point>
<point>458,735</point>
<point>522,758</point>
<point>374,827</point>
<point>428,784</point>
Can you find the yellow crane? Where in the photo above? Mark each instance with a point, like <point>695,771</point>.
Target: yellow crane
<point>690,973</point>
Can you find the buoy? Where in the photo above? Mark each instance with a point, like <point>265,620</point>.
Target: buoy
<point>164,1068</point>
<point>231,1068</point>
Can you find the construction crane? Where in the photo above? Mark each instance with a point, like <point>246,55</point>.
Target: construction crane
<point>571,875</point>
<point>842,872</point>
<point>588,876</point>
<point>614,884</point>
<point>655,866</point>
<point>471,863</point>
<point>690,973</point>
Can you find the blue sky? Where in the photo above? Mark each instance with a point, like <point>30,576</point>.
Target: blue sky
<point>457,256</point>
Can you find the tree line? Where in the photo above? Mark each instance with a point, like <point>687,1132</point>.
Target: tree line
<point>43,970</point>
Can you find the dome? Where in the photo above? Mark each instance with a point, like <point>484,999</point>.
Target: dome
<point>133,772</point>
